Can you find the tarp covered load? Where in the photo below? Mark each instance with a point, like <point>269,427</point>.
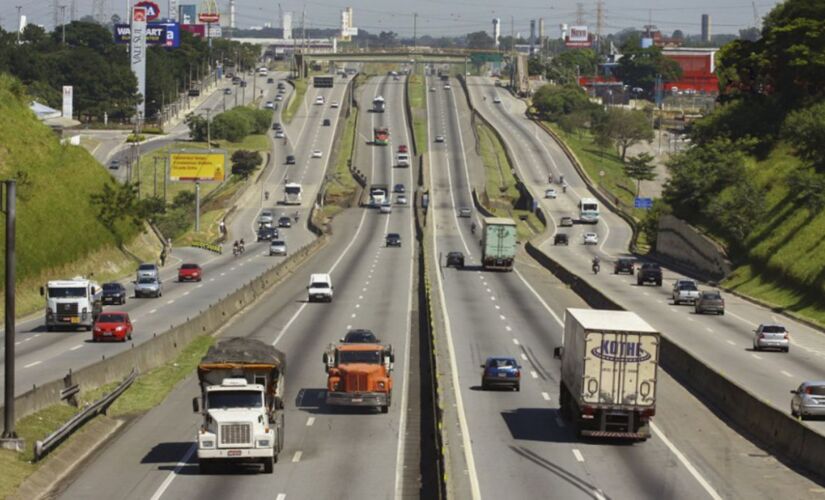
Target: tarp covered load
<point>239,350</point>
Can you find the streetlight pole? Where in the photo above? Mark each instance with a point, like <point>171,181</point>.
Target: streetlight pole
<point>10,439</point>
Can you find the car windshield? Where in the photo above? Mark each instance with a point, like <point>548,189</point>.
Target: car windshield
<point>393,235</point>
<point>773,329</point>
<point>111,287</point>
<point>111,318</point>
<point>146,281</point>
<point>687,286</point>
<point>370,357</point>
<point>711,296</point>
<point>66,292</point>
<point>235,399</point>
<point>319,285</point>
<point>146,267</point>
<point>364,337</point>
<point>278,243</point>
<point>189,266</point>
<point>501,363</point>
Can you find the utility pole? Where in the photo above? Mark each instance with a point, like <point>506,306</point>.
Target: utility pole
<point>63,18</point>
<point>19,20</point>
<point>599,24</point>
<point>415,28</point>
<point>155,176</point>
<point>10,439</point>
<point>165,177</point>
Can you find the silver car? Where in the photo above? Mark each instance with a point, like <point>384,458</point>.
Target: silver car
<point>148,287</point>
<point>266,217</point>
<point>808,400</point>
<point>771,336</point>
<point>277,247</point>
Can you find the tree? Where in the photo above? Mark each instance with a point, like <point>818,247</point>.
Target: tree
<point>117,204</point>
<point>805,130</point>
<point>245,162</point>
<point>567,66</point>
<point>480,40</point>
<point>197,127</point>
<point>639,67</point>
<point>230,126</point>
<point>623,128</point>
<point>388,39</point>
<point>640,168</point>
<point>751,34</point>
<point>554,101</point>
<point>184,199</point>
<point>678,35</point>
<point>535,66</point>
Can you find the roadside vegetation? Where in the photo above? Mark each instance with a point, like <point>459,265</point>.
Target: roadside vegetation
<point>417,95</point>
<point>341,186</point>
<point>146,392</point>
<point>296,100</point>
<point>500,192</point>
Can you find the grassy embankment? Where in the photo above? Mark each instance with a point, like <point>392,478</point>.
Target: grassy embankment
<point>341,185</point>
<point>296,100</point>
<point>148,391</point>
<point>58,231</point>
<point>500,184</point>
<point>417,95</point>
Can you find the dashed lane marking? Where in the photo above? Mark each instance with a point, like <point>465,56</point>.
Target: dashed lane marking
<point>515,341</point>
<point>578,455</point>
<point>32,364</point>
<point>783,372</point>
<point>78,346</point>
<point>534,374</point>
<point>545,396</point>
<point>297,457</point>
<point>310,421</point>
<point>524,356</point>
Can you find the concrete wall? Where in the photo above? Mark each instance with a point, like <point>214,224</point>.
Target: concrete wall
<point>679,242</point>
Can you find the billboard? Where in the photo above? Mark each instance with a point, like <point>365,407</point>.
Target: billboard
<point>68,97</point>
<point>578,36</point>
<point>188,14</point>
<point>152,9</point>
<point>138,54</point>
<point>197,30</point>
<point>321,82</point>
<point>166,33</point>
<point>203,167</point>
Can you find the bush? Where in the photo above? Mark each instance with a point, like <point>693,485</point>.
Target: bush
<point>553,102</point>
<point>233,127</point>
<point>244,162</point>
<point>805,130</point>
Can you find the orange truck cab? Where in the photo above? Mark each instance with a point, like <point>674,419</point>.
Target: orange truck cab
<point>359,375</point>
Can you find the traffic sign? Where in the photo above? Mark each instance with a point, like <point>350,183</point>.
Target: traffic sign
<point>152,9</point>
<point>645,203</point>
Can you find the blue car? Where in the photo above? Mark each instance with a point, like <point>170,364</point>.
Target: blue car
<point>501,371</point>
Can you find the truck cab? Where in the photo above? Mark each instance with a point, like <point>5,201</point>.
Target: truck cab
<point>359,375</point>
<point>241,404</point>
<point>72,303</point>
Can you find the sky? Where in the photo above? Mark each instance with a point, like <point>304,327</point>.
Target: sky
<point>448,17</point>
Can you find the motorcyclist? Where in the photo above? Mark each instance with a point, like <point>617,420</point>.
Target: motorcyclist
<point>596,264</point>
<point>473,228</point>
<point>235,248</point>
<point>241,245</point>
<point>266,195</point>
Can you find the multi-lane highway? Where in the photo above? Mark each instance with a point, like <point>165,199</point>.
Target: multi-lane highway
<point>45,356</point>
<point>328,454</point>
<point>723,342</point>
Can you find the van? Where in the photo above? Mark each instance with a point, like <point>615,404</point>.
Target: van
<point>403,159</point>
<point>320,288</point>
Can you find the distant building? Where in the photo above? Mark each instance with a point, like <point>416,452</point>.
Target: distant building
<point>497,31</point>
<point>706,34</point>
<point>286,25</point>
<point>698,69</point>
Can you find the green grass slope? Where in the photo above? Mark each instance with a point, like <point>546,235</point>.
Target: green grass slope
<point>56,222</point>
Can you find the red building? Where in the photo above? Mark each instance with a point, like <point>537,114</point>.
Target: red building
<point>698,69</point>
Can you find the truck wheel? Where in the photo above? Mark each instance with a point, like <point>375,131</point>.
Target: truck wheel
<point>517,387</point>
<point>385,409</point>
<point>269,465</point>
<point>205,467</point>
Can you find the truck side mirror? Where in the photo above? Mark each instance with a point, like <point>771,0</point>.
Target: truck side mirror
<point>195,405</point>
<point>794,391</point>
<point>94,290</point>
<point>42,291</point>
<point>326,359</point>
<point>558,352</point>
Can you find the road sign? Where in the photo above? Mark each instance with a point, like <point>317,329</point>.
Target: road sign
<point>645,203</point>
<point>162,33</point>
<point>152,9</point>
<point>202,167</point>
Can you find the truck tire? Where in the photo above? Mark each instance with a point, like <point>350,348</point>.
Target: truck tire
<point>205,467</point>
<point>269,465</point>
<point>385,409</point>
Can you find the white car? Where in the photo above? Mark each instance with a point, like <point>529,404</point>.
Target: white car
<point>550,193</point>
<point>401,199</point>
<point>386,207</point>
<point>591,239</point>
<point>279,97</point>
<point>439,138</point>
<point>277,247</point>
<point>269,105</point>
<point>316,153</point>
<point>497,100</point>
<point>319,100</point>
<point>432,89</point>
<point>333,104</point>
<point>447,86</point>
<point>280,134</point>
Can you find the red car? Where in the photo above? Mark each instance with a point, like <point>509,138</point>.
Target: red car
<point>112,325</point>
<point>190,272</point>
<point>402,148</point>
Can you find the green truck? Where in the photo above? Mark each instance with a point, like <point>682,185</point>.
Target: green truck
<point>498,243</point>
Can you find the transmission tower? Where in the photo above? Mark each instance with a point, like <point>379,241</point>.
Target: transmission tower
<point>56,13</point>
<point>579,13</point>
<point>73,11</point>
<point>757,21</point>
<point>99,11</point>
<point>599,23</point>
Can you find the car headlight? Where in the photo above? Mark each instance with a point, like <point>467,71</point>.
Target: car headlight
<point>381,384</point>
<point>208,444</point>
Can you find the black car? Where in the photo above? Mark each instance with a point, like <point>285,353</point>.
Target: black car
<point>360,336</point>
<point>276,126</point>
<point>243,83</point>
<point>290,159</point>
<point>267,233</point>
<point>270,80</point>
<point>227,91</point>
<point>624,266</point>
<point>455,259</point>
<point>560,239</point>
<point>194,92</point>
<point>284,222</point>
<point>114,293</point>
<point>649,273</point>
<point>326,122</point>
<point>393,240</point>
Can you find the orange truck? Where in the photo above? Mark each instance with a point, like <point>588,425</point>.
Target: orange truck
<point>359,375</point>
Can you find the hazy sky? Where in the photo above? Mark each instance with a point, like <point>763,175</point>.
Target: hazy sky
<point>449,17</point>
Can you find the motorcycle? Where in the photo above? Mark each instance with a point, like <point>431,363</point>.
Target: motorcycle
<point>473,228</point>
<point>236,251</point>
<point>266,196</point>
<point>596,268</point>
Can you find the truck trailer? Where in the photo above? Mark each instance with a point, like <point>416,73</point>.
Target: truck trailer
<point>498,243</point>
<point>241,403</point>
<point>609,363</point>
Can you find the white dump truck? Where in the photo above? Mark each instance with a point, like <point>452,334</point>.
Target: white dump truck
<point>73,303</point>
<point>241,402</point>
<point>609,363</point>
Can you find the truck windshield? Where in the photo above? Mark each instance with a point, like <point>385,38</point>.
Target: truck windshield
<point>66,292</point>
<point>369,357</point>
<point>223,400</point>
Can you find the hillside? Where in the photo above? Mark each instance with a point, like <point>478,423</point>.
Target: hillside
<point>58,233</point>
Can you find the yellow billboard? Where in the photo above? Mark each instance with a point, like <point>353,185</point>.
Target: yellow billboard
<point>204,167</point>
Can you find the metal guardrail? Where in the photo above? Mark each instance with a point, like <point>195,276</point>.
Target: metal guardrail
<point>43,447</point>
<point>208,246</point>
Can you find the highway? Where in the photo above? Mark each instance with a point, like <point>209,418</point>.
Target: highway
<point>359,454</point>
<point>722,342</point>
<point>519,435</point>
<point>45,356</point>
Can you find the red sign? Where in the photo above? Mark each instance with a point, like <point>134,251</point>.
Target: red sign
<point>152,9</point>
<point>199,30</point>
<point>139,15</point>
<point>206,17</point>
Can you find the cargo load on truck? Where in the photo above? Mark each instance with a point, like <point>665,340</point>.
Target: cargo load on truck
<point>381,136</point>
<point>241,402</point>
<point>498,243</point>
<point>359,375</point>
<point>609,364</point>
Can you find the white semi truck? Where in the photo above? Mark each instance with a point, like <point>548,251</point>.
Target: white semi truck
<point>241,402</point>
<point>609,362</point>
<point>74,303</point>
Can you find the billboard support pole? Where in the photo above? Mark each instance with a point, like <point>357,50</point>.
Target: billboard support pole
<point>197,206</point>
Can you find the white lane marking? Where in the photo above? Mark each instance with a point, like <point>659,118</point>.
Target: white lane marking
<point>222,274</point>
<point>173,473</point>
<point>493,298</point>
<point>489,291</point>
<point>756,356</point>
<point>153,311</point>
<point>673,309</point>
<point>502,317</point>
<point>783,372</point>
<point>524,356</point>
<point>212,279</point>
<point>186,293</point>
<point>281,496</point>
<point>731,342</point>
<point>363,289</point>
<point>32,364</point>
<point>171,301</point>
<point>310,421</point>
<point>545,396</point>
<point>78,346</point>
<point>360,297</point>
<point>690,319</point>
<point>740,318</point>
<point>645,294</point>
<point>498,307</point>
<point>709,329</point>
<point>515,341</point>
<point>578,455</point>
<point>508,328</point>
<point>353,315</point>
<point>693,472</point>
<point>297,457</point>
<point>357,306</point>
<point>534,374</point>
